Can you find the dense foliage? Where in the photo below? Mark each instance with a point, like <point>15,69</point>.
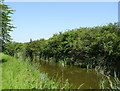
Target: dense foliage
<point>5,24</point>
<point>94,47</point>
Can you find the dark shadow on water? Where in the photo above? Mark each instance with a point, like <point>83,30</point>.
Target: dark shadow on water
<point>3,60</point>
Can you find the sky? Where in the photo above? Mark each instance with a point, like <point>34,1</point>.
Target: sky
<point>36,20</point>
<point>62,0</point>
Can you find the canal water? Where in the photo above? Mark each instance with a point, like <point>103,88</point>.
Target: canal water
<point>79,77</point>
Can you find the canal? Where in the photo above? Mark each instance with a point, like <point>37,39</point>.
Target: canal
<point>79,78</point>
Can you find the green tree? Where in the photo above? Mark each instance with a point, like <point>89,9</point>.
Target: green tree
<point>5,24</point>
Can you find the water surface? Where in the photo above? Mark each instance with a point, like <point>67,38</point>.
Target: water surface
<point>75,75</point>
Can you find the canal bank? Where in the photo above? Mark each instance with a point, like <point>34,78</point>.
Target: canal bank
<point>19,74</point>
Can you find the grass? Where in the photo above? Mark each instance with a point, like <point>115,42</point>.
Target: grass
<point>114,82</point>
<point>18,74</point>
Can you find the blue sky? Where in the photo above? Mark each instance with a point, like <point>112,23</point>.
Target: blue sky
<point>37,20</point>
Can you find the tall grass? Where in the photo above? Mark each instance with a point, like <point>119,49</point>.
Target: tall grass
<point>114,82</point>
<point>18,74</point>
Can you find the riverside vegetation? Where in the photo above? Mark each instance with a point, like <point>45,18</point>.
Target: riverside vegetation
<point>97,47</point>
<point>93,47</point>
<point>90,47</point>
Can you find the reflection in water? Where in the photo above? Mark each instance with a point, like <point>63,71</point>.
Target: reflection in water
<point>87,79</point>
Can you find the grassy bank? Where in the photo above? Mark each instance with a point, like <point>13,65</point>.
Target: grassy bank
<point>18,74</point>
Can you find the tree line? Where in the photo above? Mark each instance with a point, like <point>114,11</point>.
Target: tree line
<point>94,47</point>
<point>84,47</point>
